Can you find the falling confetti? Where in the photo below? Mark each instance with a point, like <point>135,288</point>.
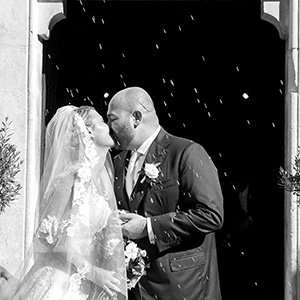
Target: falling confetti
<point>237,68</point>
<point>172,82</point>
<point>192,17</point>
<point>221,101</point>
<point>164,31</point>
<point>88,99</point>
<point>157,46</point>
<point>106,95</point>
<point>245,96</point>
<point>195,90</point>
<point>94,19</point>
<point>100,46</point>
<point>179,28</point>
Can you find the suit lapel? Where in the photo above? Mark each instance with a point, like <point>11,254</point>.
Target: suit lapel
<point>155,155</point>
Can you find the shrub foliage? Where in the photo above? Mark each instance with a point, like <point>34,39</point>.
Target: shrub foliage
<point>9,167</point>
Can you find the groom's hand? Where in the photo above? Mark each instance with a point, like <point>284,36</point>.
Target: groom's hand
<point>134,226</point>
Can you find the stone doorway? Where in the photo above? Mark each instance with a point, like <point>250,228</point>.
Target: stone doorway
<point>216,73</point>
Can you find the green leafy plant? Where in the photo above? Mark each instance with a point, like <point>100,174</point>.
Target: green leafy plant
<point>9,167</point>
<point>291,182</point>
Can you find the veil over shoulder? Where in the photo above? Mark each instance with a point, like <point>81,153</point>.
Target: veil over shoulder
<point>76,224</point>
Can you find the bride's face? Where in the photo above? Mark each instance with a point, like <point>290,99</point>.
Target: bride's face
<point>99,130</point>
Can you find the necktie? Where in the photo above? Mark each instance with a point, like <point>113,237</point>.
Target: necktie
<point>132,172</point>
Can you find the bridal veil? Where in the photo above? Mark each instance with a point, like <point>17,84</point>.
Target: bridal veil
<point>75,219</point>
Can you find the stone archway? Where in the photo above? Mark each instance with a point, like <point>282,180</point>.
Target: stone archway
<point>277,13</point>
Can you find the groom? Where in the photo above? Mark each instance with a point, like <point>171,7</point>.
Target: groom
<point>171,189</point>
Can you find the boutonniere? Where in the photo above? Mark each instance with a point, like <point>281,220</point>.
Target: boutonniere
<point>150,172</point>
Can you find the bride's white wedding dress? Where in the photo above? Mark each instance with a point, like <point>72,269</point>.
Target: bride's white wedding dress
<point>51,282</point>
<point>76,217</point>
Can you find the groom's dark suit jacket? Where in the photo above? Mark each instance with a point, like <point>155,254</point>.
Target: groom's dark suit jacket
<point>185,205</point>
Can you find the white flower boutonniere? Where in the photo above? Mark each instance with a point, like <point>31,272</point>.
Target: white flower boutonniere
<point>151,171</point>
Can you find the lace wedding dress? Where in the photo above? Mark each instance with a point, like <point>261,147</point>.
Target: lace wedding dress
<point>76,217</point>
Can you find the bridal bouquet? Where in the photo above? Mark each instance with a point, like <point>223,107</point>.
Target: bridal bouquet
<point>136,262</point>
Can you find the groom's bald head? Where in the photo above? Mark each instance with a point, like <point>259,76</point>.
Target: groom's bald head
<point>133,98</point>
<point>131,113</point>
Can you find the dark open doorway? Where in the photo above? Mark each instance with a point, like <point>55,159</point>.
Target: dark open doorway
<point>215,71</point>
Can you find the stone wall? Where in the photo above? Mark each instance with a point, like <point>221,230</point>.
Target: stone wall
<point>13,103</point>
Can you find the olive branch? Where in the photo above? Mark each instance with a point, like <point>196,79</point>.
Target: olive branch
<point>9,167</point>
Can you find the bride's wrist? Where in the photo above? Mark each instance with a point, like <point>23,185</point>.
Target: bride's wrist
<point>91,273</point>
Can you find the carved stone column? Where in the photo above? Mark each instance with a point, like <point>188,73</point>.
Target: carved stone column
<point>284,15</point>
<point>43,14</point>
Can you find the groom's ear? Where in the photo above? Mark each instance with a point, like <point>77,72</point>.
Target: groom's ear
<point>137,116</point>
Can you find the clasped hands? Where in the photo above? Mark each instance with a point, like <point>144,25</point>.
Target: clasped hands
<point>133,226</point>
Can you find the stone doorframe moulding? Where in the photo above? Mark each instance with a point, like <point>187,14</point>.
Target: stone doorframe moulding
<point>283,14</point>
<point>43,14</point>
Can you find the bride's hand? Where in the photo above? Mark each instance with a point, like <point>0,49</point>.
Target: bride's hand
<point>8,284</point>
<point>121,213</point>
<point>106,280</point>
<point>114,220</point>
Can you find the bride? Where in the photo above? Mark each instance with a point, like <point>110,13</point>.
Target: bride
<point>77,249</point>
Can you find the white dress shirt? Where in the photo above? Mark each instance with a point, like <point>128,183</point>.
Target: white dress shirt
<point>143,150</point>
